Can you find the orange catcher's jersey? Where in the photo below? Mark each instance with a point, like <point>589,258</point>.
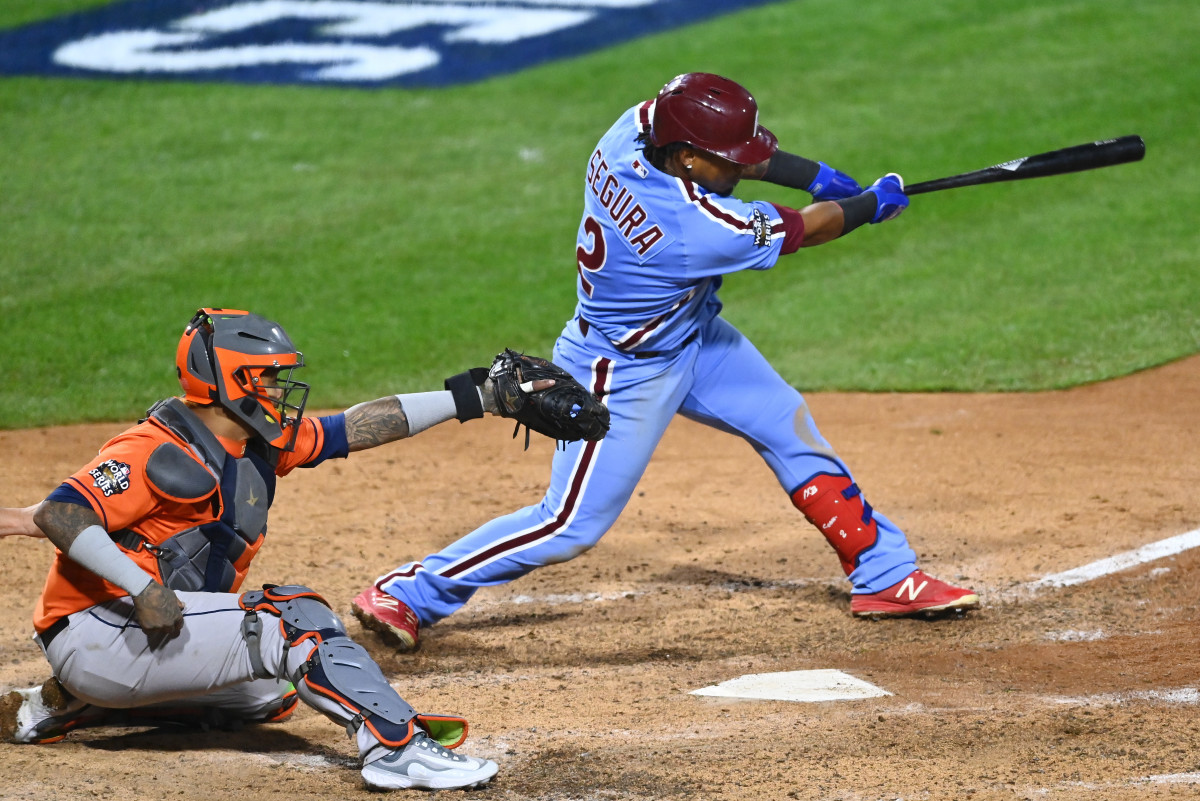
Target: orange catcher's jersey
<point>140,516</point>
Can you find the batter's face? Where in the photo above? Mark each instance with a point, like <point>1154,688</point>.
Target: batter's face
<point>714,173</point>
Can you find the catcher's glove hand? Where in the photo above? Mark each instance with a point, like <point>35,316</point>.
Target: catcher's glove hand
<point>565,411</point>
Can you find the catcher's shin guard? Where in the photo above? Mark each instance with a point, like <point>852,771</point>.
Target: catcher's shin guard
<point>335,675</point>
<point>835,505</point>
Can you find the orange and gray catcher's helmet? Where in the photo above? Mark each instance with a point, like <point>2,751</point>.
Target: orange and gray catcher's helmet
<point>712,114</point>
<point>244,363</point>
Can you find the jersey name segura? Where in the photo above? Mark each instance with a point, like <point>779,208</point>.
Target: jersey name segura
<point>622,206</point>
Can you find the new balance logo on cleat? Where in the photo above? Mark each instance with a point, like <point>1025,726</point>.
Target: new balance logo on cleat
<point>916,595</point>
<point>909,585</point>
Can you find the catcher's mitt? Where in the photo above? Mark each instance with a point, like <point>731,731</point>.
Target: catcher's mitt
<point>566,411</point>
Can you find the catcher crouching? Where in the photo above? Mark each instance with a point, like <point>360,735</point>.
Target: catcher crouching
<point>141,617</point>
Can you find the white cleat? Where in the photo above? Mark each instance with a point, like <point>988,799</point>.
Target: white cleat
<point>422,764</point>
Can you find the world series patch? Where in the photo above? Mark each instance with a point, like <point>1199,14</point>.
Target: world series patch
<point>110,477</point>
<point>762,228</point>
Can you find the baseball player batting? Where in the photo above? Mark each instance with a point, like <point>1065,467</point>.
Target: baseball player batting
<point>141,618</point>
<point>660,230</point>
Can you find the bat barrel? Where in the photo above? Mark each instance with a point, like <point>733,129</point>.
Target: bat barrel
<point>1089,156</point>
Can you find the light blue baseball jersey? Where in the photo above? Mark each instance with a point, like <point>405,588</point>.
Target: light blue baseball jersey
<point>652,248</point>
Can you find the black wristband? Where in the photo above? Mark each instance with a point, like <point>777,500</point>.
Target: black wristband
<point>857,210</point>
<point>464,388</point>
<point>790,170</point>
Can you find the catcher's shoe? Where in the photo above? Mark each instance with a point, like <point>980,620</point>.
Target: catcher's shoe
<point>424,765</point>
<point>918,594</point>
<point>388,616</point>
<point>44,714</point>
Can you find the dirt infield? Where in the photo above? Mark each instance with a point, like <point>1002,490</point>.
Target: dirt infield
<point>577,678</point>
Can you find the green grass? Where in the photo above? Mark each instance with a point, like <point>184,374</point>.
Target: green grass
<point>403,235</point>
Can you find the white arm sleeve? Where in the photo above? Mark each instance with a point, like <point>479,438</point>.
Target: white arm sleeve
<point>96,551</point>
<point>427,409</point>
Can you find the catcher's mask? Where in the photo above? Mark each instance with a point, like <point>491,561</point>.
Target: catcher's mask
<point>712,114</point>
<point>244,364</point>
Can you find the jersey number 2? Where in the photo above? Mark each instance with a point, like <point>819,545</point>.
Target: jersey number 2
<point>590,261</point>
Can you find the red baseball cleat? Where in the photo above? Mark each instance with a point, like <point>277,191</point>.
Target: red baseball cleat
<point>387,616</point>
<point>917,594</point>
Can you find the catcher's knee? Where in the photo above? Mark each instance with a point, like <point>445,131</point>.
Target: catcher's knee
<point>338,676</point>
<point>277,711</point>
<point>303,615</point>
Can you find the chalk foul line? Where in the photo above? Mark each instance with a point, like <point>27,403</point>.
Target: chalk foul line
<point>1121,561</point>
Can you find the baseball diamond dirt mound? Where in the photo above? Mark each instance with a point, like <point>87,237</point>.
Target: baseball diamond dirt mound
<point>577,678</point>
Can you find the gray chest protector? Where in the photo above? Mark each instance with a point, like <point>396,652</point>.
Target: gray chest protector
<point>202,558</point>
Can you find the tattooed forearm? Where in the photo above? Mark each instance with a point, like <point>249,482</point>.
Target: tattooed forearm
<point>62,522</point>
<point>375,422</point>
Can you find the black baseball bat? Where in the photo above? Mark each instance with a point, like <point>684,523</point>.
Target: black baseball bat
<point>1105,153</point>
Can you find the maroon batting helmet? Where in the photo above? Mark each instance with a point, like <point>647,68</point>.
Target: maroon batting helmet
<point>713,114</point>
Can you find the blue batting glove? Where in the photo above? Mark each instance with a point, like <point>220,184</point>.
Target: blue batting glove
<point>890,197</point>
<point>831,184</point>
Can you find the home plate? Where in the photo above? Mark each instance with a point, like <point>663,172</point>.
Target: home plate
<point>795,685</point>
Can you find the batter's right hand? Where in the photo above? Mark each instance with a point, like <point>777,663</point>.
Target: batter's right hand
<point>159,613</point>
<point>891,200</point>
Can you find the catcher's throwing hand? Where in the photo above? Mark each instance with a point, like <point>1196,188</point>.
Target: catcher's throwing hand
<point>158,612</point>
<point>542,396</point>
